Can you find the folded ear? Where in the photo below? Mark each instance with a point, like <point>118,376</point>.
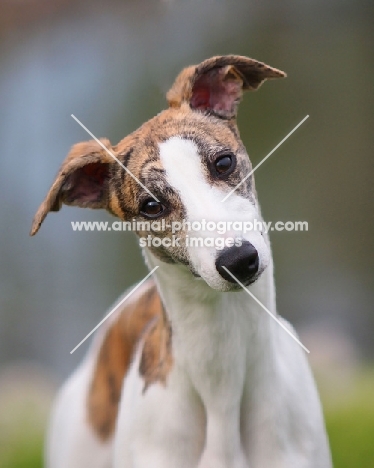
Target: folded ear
<point>217,84</point>
<point>81,181</point>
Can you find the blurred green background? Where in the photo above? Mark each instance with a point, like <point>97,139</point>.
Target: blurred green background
<point>110,64</point>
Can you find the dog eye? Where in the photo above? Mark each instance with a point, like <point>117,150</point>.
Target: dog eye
<point>152,208</point>
<point>224,164</point>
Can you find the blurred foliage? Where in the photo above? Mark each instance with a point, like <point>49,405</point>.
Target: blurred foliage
<point>22,444</point>
<point>28,453</point>
<point>350,424</point>
<point>26,395</point>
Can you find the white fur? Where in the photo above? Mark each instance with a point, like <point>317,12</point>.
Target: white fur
<point>72,442</point>
<point>184,172</point>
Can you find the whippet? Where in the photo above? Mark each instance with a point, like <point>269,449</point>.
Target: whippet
<point>190,372</point>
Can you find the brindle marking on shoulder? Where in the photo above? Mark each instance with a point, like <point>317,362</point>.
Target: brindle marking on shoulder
<point>116,354</point>
<point>157,358</point>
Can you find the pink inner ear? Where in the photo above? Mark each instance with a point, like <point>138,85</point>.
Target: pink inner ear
<point>200,98</point>
<point>216,92</point>
<point>86,184</point>
<point>97,172</point>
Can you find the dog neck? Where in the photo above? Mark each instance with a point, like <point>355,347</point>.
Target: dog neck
<point>214,333</point>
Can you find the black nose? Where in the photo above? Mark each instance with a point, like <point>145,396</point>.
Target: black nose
<point>241,261</point>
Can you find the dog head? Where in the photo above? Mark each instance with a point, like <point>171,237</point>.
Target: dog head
<point>178,168</point>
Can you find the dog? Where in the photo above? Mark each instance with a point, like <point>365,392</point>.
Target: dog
<point>190,372</point>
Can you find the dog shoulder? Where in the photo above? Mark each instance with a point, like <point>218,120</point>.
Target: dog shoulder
<point>141,320</point>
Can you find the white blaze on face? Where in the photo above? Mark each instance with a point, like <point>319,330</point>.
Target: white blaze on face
<point>202,201</point>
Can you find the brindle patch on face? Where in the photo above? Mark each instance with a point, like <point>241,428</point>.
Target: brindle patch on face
<point>140,153</point>
<point>211,135</point>
<point>116,353</point>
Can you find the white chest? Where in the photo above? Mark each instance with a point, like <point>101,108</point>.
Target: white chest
<point>240,394</point>
<point>195,420</point>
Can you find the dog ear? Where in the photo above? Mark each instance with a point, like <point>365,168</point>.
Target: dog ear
<point>216,85</point>
<point>81,181</point>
